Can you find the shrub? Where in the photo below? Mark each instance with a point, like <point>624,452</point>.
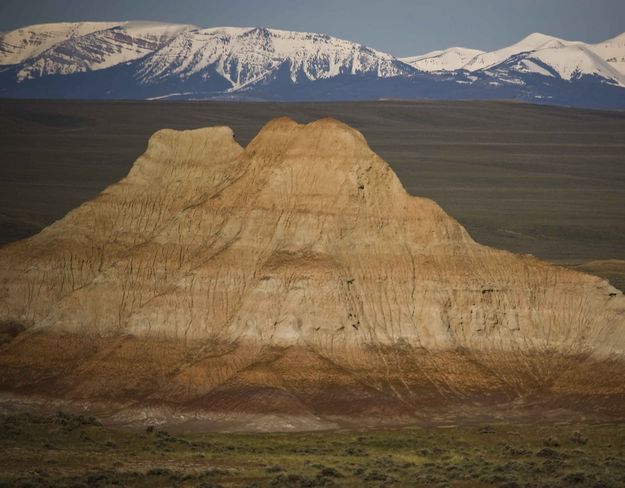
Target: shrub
<point>330,473</point>
<point>552,442</point>
<point>547,452</point>
<point>159,472</point>
<point>574,478</point>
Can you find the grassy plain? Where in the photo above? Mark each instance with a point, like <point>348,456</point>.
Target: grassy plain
<point>65,450</point>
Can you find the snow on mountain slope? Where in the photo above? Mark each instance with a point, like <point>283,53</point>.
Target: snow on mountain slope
<point>569,63</point>
<point>530,43</point>
<point>101,49</point>
<point>20,44</point>
<point>612,51</point>
<point>244,56</point>
<point>155,60</point>
<point>575,61</point>
<point>449,59</point>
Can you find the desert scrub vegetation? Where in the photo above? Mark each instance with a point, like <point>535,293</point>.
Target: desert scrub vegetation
<point>66,450</point>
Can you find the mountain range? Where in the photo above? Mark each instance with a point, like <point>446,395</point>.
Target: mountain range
<point>148,60</point>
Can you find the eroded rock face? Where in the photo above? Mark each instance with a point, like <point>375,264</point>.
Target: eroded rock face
<point>295,277</point>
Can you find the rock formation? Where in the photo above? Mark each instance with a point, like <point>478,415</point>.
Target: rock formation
<point>295,277</point>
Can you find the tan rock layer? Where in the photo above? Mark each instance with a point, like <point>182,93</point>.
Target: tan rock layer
<point>294,275</point>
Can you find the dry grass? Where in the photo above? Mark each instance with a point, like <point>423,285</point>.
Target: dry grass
<point>72,451</point>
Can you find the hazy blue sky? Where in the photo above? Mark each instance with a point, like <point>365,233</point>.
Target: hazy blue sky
<point>401,27</point>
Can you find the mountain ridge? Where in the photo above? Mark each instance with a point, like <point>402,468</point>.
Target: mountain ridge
<point>231,52</point>
<point>126,60</point>
<point>448,59</point>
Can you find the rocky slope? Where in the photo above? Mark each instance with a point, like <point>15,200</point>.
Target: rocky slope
<point>295,277</point>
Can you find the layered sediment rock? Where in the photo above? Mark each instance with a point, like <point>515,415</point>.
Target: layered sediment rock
<point>295,276</point>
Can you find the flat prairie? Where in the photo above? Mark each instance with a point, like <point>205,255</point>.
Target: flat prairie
<point>547,181</point>
<point>66,450</point>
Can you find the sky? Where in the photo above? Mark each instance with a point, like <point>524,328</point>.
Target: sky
<point>400,27</point>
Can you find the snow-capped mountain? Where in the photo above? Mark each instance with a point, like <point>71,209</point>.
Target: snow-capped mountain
<point>530,43</point>
<point>449,59</point>
<point>19,45</point>
<point>148,60</point>
<point>94,46</point>
<point>550,57</point>
<point>612,51</point>
<point>247,56</point>
<point>567,62</point>
<point>537,55</point>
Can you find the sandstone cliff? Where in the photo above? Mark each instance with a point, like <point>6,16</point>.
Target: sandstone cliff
<point>295,276</point>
